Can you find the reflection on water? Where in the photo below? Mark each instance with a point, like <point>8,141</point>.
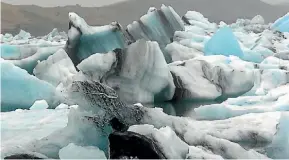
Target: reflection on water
<point>180,108</point>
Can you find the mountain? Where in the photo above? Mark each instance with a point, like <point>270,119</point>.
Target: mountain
<point>39,20</point>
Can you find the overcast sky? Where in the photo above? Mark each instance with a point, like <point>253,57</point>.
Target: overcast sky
<point>95,3</point>
<point>49,3</point>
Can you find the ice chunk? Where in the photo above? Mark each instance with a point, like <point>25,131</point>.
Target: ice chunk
<point>223,42</point>
<point>258,20</point>
<point>279,149</point>
<point>40,104</point>
<point>157,25</point>
<point>97,65</point>
<point>172,146</point>
<point>21,90</point>
<point>26,56</point>
<point>22,35</point>
<point>210,77</point>
<point>179,52</point>
<point>148,80</point>
<point>282,24</point>
<point>85,40</point>
<point>197,19</point>
<point>56,69</point>
<point>73,151</point>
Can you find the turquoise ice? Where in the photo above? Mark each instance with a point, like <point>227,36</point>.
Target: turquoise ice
<point>223,42</point>
<point>282,24</point>
<point>21,90</point>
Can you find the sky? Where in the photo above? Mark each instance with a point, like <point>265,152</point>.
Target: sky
<point>95,3</point>
<point>53,3</point>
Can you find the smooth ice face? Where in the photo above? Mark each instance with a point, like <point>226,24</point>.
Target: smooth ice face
<point>282,24</point>
<point>223,42</point>
<point>21,90</point>
<point>73,151</point>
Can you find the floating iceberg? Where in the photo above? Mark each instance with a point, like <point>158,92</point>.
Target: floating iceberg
<point>223,42</point>
<point>21,90</point>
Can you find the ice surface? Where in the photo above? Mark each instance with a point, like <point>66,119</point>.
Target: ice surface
<point>40,104</point>
<point>223,42</point>
<point>21,127</point>
<point>279,149</point>
<point>157,25</point>
<point>85,40</point>
<point>73,151</point>
<point>27,56</point>
<point>282,24</point>
<point>21,90</point>
<point>56,69</point>
<point>205,78</point>
<point>148,80</point>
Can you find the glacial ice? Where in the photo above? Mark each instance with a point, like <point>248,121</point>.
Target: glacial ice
<point>223,42</point>
<point>148,80</point>
<point>85,40</point>
<point>21,90</point>
<point>282,24</point>
<point>56,69</point>
<point>157,25</point>
<point>73,151</point>
<point>252,73</point>
<point>40,104</point>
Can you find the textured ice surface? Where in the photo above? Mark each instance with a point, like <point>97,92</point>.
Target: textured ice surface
<point>279,148</point>
<point>56,69</point>
<point>24,126</point>
<point>21,90</point>
<point>209,78</point>
<point>73,151</point>
<point>85,40</point>
<point>156,25</point>
<point>148,80</point>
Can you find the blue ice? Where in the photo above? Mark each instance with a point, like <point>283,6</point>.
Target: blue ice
<point>282,24</point>
<point>223,42</point>
<point>21,90</point>
<point>100,42</point>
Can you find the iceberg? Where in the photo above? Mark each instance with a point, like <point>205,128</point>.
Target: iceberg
<point>223,42</point>
<point>282,24</point>
<point>209,79</point>
<point>84,40</point>
<point>18,84</point>
<point>148,80</point>
<point>157,25</point>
